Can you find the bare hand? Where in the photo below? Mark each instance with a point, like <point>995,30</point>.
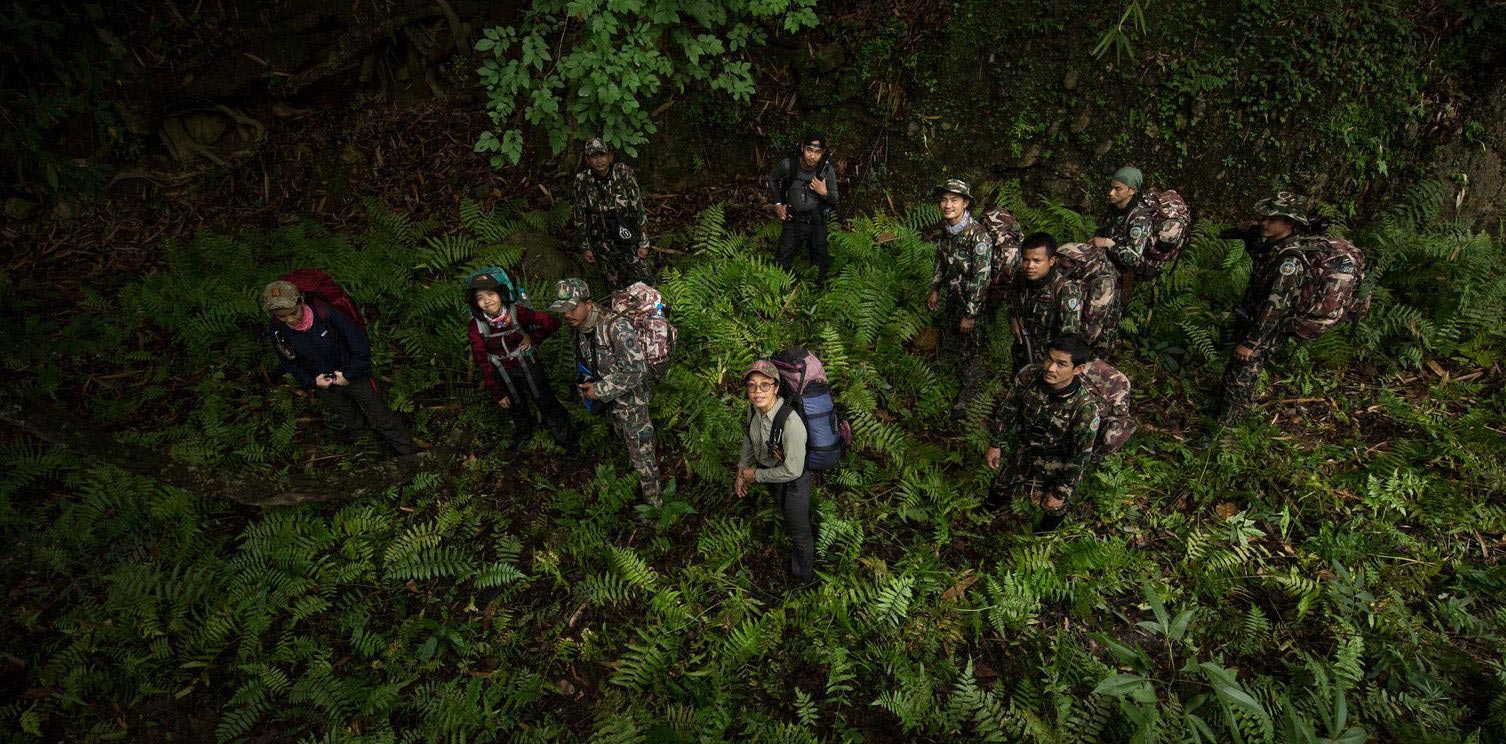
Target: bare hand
<point>934,301</point>
<point>589,256</point>
<point>505,402</point>
<point>783,212</point>
<point>324,381</point>
<point>643,251</point>
<point>588,389</point>
<point>966,325</point>
<point>1243,352</point>
<point>747,475</point>
<point>1101,242</point>
<point>340,379</point>
<point>526,345</point>
<point>991,458</point>
<point>818,185</point>
<point>739,486</point>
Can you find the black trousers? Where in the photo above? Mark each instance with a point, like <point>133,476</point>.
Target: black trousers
<point>804,229</point>
<point>794,500</point>
<point>359,403</point>
<point>538,396</point>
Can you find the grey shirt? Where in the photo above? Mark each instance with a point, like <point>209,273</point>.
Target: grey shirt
<point>802,199</point>
<point>756,446</point>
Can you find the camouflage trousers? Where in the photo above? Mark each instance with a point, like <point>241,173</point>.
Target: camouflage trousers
<point>1037,475</point>
<point>1241,377</point>
<point>632,424</point>
<point>1100,314</point>
<point>965,351</point>
<point>621,266</point>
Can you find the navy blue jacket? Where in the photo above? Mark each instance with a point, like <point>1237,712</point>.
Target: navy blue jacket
<point>321,350</point>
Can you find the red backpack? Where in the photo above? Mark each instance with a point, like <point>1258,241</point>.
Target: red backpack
<point>322,294</point>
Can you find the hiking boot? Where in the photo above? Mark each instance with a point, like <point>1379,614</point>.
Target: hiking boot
<point>520,442</point>
<point>1049,523</point>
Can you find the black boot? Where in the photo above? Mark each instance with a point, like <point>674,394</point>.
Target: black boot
<point>1049,522</point>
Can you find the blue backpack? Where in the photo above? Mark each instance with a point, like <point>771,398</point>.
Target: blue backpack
<point>802,382</point>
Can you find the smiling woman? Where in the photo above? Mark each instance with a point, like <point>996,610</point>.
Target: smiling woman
<point>774,452</point>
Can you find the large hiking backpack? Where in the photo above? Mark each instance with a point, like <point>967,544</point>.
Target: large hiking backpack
<point>1089,266</point>
<point>1112,388</point>
<point>1171,220</point>
<point>802,383</point>
<point>644,307</point>
<point>1330,290</point>
<point>1007,235</point>
<point>323,295</point>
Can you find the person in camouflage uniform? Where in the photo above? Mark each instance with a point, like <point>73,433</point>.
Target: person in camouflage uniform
<point>607,346</point>
<point>964,257</point>
<point>1260,321</point>
<point>1052,418</point>
<point>1128,228</point>
<point>1043,304</point>
<point>609,218</point>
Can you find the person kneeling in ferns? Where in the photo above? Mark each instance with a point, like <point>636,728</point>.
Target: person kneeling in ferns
<point>774,453</point>
<point>1053,418</point>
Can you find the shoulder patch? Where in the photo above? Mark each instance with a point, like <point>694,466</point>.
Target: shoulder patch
<point>1096,421</point>
<point>1288,267</point>
<point>1137,231</point>
<point>981,248</point>
<point>1071,303</point>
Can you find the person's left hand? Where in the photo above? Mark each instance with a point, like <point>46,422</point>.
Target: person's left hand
<point>1101,242</point>
<point>588,389</point>
<point>340,378</point>
<point>1243,352</point>
<point>818,185</point>
<point>747,474</point>
<point>966,326</point>
<point>643,251</point>
<point>526,345</point>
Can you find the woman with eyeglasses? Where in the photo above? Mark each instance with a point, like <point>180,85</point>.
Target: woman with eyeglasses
<point>773,453</point>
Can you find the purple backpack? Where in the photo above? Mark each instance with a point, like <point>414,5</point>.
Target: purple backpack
<point>802,383</point>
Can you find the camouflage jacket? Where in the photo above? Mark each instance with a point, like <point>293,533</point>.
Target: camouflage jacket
<point>1270,293</point>
<point>596,199</point>
<point>1046,308</point>
<point>963,262</point>
<point>1055,429</point>
<point>610,349</point>
<point>1133,231</point>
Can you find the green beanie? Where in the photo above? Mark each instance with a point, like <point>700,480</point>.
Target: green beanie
<point>1129,176</point>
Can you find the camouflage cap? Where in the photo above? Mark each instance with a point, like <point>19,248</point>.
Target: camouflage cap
<point>568,293</point>
<point>1285,204</point>
<point>280,295</point>
<point>954,186</point>
<point>595,145</point>
<point>762,367</point>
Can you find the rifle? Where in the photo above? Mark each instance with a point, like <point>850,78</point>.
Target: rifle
<point>1024,337</point>
<point>785,183</point>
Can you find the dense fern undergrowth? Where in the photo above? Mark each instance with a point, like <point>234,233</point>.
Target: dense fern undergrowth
<point>1331,572</point>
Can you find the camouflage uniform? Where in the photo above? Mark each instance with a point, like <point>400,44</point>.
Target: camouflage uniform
<point>1133,231</point>
<point>608,346</point>
<point>597,201</point>
<point>1055,431</point>
<point>964,256</point>
<point>1260,321</point>
<point>1094,272</point>
<point>1045,308</point>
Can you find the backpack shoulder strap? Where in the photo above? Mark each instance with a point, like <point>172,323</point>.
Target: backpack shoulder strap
<point>776,429</point>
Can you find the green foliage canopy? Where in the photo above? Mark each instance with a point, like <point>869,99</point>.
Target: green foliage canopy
<point>583,68</point>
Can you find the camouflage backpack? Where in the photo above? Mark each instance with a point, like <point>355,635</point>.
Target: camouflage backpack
<point>1112,389</point>
<point>1007,235</point>
<point>644,307</point>
<point>1090,267</point>
<point>1171,218</point>
<point>1330,290</point>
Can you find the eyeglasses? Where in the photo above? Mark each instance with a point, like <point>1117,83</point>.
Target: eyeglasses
<point>760,387</point>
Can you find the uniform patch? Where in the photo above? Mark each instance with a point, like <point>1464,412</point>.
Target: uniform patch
<point>1071,303</point>
<point>1288,267</point>
<point>1094,425</point>
<point>981,248</point>
<point>1137,231</point>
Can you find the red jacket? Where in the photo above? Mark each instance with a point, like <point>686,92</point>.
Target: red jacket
<point>537,325</point>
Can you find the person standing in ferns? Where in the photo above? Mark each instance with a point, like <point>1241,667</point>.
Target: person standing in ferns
<point>773,453</point>
<point>803,188</point>
<point>330,356</point>
<point>504,334</point>
<point>1048,424</point>
<point>1043,304</point>
<point>959,285</point>
<point>609,218</point>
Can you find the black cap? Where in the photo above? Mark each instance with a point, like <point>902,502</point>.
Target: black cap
<point>485,281</point>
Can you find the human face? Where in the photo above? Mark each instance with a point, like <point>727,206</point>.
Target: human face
<point>1058,371</point>
<point>577,315</point>
<point>289,317</point>
<point>1276,228</point>
<point>1120,195</point>
<point>762,391</point>
<point>953,206</point>
<point>810,154</point>
<point>1035,262</point>
<point>489,301</point>
<point>599,162</point>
